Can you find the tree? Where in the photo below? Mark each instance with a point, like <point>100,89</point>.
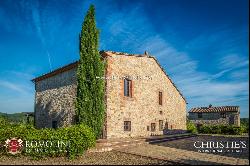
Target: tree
<point>90,105</point>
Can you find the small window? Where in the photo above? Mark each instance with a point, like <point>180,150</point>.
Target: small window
<point>127,125</point>
<point>160,98</point>
<point>54,124</point>
<point>153,126</point>
<point>160,125</point>
<point>171,127</point>
<point>199,115</point>
<point>148,128</point>
<point>127,87</point>
<point>223,115</point>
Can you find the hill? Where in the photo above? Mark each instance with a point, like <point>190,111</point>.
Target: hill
<point>15,118</point>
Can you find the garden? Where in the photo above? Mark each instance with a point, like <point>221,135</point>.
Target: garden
<point>219,129</point>
<point>77,139</point>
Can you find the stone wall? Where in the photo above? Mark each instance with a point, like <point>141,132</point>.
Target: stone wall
<point>143,107</point>
<point>54,100</point>
<point>215,118</point>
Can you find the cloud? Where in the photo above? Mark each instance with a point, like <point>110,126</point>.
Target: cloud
<point>17,91</point>
<point>37,22</point>
<point>128,29</point>
<point>12,86</point>
<point>199,87</point>
<point>19,74</point>
<point>233,61</point>
<point>17,104</point>
<point>240,74</point>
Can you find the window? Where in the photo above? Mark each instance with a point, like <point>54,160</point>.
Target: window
<point>127,125</point>
<point>54,124</point>
<point>127,87</point>
<point>153,126</point>
<point>160,98</point>
<point>148,128</point>
<point>160,125</point>
<point>199,115</point>
<point>223,115</point>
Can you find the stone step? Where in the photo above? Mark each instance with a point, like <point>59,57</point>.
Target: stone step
<point>108,146</point>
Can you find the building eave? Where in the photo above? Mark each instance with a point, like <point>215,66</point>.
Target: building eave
<point>104,54</point>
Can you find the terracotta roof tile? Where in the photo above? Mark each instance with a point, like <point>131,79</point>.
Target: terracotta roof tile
<point>215,109</point>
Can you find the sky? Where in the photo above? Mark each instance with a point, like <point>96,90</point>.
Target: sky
<point>201,44</point>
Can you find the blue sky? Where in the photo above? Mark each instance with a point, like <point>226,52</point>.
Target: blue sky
<point>202,44</point>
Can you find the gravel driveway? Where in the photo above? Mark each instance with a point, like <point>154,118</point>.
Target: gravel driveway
<point>105,158</point>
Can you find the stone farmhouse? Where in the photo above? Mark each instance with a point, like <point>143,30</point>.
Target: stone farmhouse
<point>141,99</point>
<point>224,115</point>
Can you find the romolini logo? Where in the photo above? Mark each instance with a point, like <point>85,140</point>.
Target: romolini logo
<point>13,145</point>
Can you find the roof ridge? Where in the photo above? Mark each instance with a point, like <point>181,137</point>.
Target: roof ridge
<point>53,72</point>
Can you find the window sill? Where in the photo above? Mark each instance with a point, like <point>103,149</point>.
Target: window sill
<point>128,98</point>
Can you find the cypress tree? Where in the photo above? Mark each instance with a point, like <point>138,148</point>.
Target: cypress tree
<point>90,89</point>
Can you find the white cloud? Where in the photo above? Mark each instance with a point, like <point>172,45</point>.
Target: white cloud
<point>233,61</point>
<point>199,87</point>
<point>17,91</point>
<point>129,30</point>
<point>240,74</point>
<point>17,104</point>
<point>19,74</point>
<point>12,86</point>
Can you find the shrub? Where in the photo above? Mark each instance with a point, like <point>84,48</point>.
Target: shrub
<point>191,127</point>
<point>216,129</point>
<point>78,137</point>
<point>205,129</point>
<point>221,129</point>
<point>245,127</point>
<point>3,121</point>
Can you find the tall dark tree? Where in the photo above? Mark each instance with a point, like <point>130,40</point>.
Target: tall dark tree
<point>90,105</point>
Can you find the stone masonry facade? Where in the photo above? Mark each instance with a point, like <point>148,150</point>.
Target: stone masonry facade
<point>56,93</point>
<point>142,109</point>
<point>54,100</point>
<point>225,115</point>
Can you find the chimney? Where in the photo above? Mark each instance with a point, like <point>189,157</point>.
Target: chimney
<point>145,53</point>
<point>210,106</point>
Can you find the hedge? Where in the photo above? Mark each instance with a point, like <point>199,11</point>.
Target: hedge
<point>245,127</point>
<point>191,127</point>
<point>221,129</point>
<point>74,140</point>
